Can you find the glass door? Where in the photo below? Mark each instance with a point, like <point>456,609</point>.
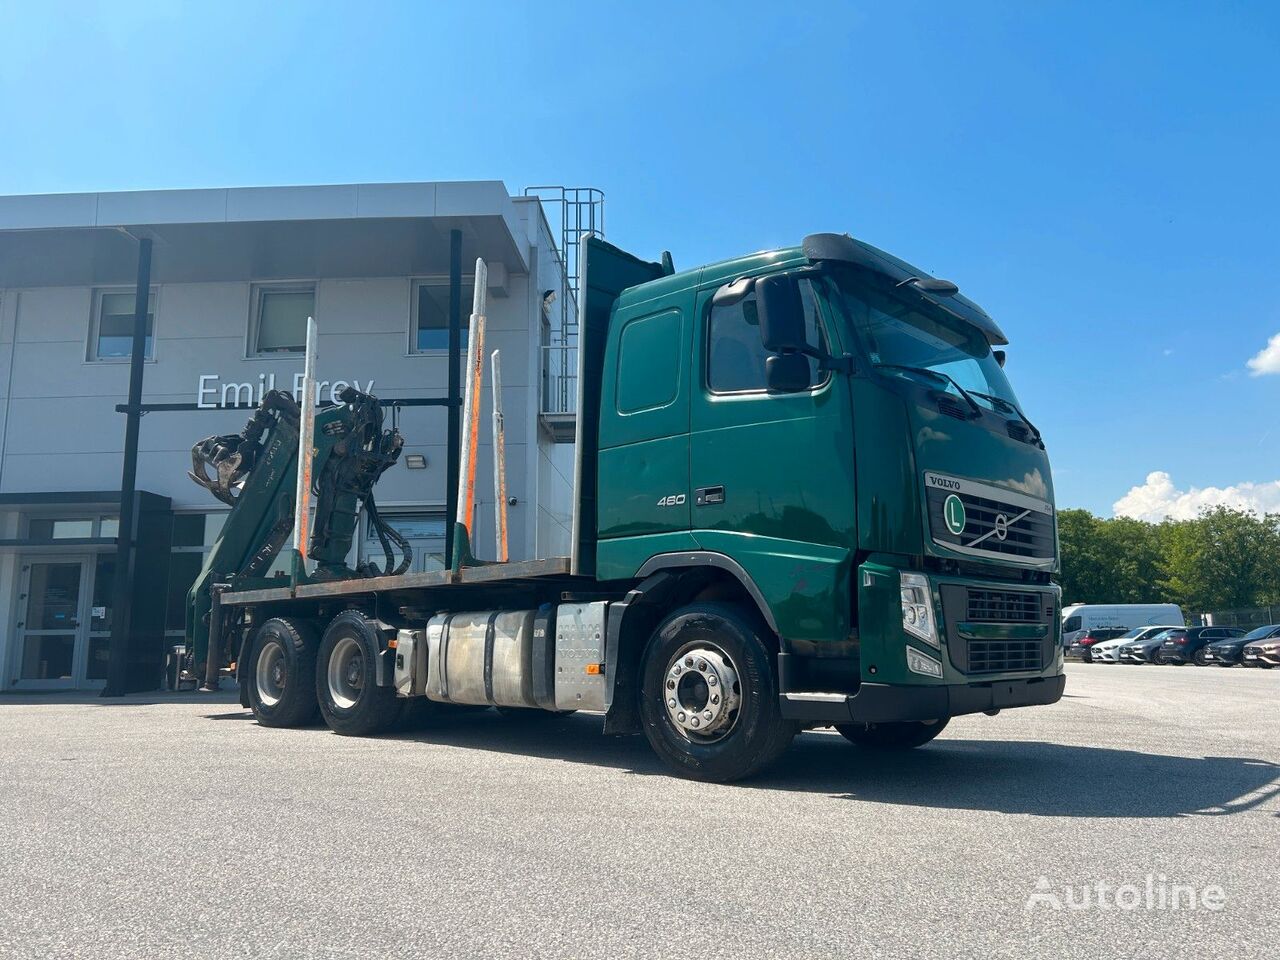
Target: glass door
<point>99,621</point>
<point>51,625</point>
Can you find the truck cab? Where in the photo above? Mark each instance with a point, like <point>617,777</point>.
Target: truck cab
<point>826,435</point>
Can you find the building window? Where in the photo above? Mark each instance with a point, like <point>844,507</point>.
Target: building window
<point>280,313</point>
<point>425,532</point>
<point>58,528</point>
<point>112,335</point>
<point>431,315</point>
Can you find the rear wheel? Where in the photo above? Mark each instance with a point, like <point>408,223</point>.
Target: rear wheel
<point>280,690</point>
<point>351,701</point>
<point>709,695</point>
<point>903,735</point>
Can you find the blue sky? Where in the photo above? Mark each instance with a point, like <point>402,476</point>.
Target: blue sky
<point>1101,178</point>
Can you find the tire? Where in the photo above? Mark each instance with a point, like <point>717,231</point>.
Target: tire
<point>902,735</point>
<point>696,651</point>
<point>1087,655</point>
<point>1199,658</point>
<point>351,702</point>
<point>283,660</point>
<point>1158,659</point>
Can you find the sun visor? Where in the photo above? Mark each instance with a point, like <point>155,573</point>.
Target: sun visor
<point>845,249</point>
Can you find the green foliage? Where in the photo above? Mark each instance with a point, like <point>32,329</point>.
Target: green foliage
<point>1225,559</point>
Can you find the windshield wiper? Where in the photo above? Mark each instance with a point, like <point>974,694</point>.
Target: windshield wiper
<point>938,374</point>
<point>1012,408</point>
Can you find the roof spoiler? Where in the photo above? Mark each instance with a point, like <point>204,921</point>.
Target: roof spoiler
<point>841,247</point>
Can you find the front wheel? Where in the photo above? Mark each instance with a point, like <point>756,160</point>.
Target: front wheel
<point>709,695</point>
<point>1087,655</point>
<point>900,735</point>
<point>1201,657</point>
<point>351,701</point>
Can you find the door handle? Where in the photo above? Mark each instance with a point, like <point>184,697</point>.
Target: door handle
<point>705,496</point>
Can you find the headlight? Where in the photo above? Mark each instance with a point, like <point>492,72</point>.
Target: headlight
<point>917,608</point>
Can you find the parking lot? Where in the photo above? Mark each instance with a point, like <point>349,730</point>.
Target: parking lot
<point>178,827</point>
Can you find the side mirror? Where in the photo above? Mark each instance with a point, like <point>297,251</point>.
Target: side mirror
<point>781,312</point>
<point>787,373</point>
<point>999,355</point>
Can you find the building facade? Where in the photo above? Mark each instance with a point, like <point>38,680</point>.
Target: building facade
<point>235,274</point>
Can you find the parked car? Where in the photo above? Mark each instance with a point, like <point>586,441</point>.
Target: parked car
<point>1085,642</point>
<point>1262,653</point>
<point>1146,650</point>
<point>1079,617</point>
<point>1108,651</point>
<point>1227,653</point>
<point>1187,646</point>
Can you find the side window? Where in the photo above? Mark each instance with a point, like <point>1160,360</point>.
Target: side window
<point>648,371</point>
<point>735,355</point>
<point>1071,624</point>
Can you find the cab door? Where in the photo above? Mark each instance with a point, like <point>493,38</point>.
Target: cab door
<point>644,505</point>
<point>771,474</point>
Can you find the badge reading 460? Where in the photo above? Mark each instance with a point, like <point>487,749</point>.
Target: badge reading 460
<point>672,500</point>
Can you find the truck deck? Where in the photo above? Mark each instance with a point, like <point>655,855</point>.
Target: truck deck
<point>508,573</point>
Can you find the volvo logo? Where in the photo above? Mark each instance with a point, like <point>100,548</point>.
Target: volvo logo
<point>1002,526</point>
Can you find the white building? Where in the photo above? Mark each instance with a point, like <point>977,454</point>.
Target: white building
<point>235,273</point>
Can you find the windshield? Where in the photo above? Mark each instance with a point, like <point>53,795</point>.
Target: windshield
<point>1133,634</point>
<point>899,328</point>
<point>1259,633</point>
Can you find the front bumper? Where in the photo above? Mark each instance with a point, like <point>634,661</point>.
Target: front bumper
<point>885,703</point>
<point>1223,655</point>
<point>1255,655</point>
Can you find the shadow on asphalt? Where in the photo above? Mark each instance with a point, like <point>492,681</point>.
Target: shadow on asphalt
<point>1006,776</point>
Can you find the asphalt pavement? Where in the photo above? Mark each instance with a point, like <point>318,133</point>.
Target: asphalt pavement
<point>175,826</point>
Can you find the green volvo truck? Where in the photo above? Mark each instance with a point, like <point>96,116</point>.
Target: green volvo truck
<point>806,496</point>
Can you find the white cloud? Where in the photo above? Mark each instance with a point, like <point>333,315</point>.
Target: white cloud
<point>1267,359</point>
<point>1159,498</point>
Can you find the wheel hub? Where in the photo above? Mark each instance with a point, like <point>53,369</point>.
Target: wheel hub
<point>701,693</point>
<point>271,674</point>
<point>345,673</point>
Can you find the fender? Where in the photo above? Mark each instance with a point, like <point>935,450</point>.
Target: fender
<point>709,558</point>
<point>633,619</point>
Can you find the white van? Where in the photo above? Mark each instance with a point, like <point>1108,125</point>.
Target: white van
<point>1079,617</point>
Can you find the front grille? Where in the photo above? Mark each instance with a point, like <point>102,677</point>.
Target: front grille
<point>996,523</point>
<point>1003,606</point>
<point>968,612</point>
<point>999,656</point>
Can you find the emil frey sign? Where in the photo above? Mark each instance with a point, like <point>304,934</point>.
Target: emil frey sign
<point>212,393</point>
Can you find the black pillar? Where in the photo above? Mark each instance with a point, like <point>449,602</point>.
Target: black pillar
<point>453,456</point>
<point>121,614</point>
